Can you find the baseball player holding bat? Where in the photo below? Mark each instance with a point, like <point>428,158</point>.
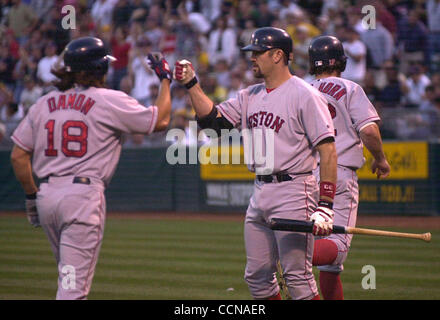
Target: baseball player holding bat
<point>355,122</point>
<point>296,116</point>
<point>73,136</point>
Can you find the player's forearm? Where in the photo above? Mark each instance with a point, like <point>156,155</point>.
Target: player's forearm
<point>372,140</point>
<point>21,163</point>
<point>328,166</point>
<point>200,101</point>
<point>163,103</point>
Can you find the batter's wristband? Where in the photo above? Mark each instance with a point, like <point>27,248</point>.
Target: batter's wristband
<point>192,83</point>
<point>327,189</point>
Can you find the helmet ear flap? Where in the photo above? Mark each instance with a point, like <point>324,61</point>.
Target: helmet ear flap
<point>343,64</point>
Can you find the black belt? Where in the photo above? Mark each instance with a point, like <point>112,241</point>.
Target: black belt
<point>81,180</point>
<point>280,177</point>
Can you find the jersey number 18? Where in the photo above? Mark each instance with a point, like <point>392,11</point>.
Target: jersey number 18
<point>67,138</point>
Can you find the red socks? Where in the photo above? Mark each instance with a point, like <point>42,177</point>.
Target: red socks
<point>331,286</point>
<point>325,252</point>
<point>275,297</point>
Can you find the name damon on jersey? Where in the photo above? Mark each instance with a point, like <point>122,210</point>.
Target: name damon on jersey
<point>73,101</point>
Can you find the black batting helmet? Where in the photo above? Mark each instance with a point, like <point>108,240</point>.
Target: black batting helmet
<point>87,54</point>
<point>326,53</point>
<point>267,38</point>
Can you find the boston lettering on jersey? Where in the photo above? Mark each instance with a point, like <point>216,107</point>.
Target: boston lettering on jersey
<point>266,119</point>
<point>72,101</point>
<point>332,90</point>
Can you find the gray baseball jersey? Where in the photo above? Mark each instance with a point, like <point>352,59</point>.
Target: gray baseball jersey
<point>80,131</point>
<point>74,135</point>
<point>351,110</point>
<point>296,116</point>
<point>295,112</point>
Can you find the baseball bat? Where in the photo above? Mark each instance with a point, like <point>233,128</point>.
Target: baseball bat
<point>307,226</point>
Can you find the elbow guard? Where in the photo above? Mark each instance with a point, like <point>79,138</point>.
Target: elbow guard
<point>211,121</point>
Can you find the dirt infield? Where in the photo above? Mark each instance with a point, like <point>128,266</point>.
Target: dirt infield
<point>418,222</point>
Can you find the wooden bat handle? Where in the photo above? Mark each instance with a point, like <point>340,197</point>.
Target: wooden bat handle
<point>422,236</point>
<point>307,226</point>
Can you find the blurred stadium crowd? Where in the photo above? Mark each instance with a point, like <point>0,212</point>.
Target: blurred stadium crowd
<point>397,62</point>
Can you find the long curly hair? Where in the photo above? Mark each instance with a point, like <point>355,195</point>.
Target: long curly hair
<point>67,80</point>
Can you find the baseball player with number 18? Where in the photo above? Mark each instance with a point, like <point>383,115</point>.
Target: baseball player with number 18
<point>296,116</point>
<point>73,136</point>
<point>355,122</point>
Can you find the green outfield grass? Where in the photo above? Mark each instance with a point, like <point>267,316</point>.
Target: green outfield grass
<point>182,259</point>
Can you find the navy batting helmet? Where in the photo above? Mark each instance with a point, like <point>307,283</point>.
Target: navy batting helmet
<point>87,54</point>
<point>267,38</point>
<point>326,51</point>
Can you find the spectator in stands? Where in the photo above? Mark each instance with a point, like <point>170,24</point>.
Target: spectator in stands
<point>11,115</point>
<point>12,44</point>
<point>264,16</point>
<point>323,24</point>
<point>22,20</point>
<point>296,22</point>
<point>433,14</point>
<point>414,87</point>
<point>354,20</point>
<point>246,33</point>
<point>7,64</point>
<point>301,51</point>
<point>245,11</point>
<point>154,32</point>
<point>168,42</point>
<point>370,88</point>
<point>102,11</point>
<point>241,67</point>
<point>52,28</point>
<point>222,43</point>
<point>236,85</point>
<point>3,144</point>
<point>287,7</point>
<point>122,13</point>
<point>435,120</point>
<point>384,16</point>
<point>187,37</point>
<point>30,94</point>
<point>356,53</point>
<point>430,112</point>
<point>211,9</point>
<point>41,7</point>
<point>36,40</point>
<point>141,74</point>
<point>45,65</point>
<point>222,73</point>
<point>120,50</point>
<point>135,33</point>
<point>179,97</point>
<point>330,5</point>
<point>391,95</point>
<point>213,90</point>
<point>380,44</point>
<point>412,41</point>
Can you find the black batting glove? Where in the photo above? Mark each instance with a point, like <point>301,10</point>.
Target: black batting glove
<point>159,65</point>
